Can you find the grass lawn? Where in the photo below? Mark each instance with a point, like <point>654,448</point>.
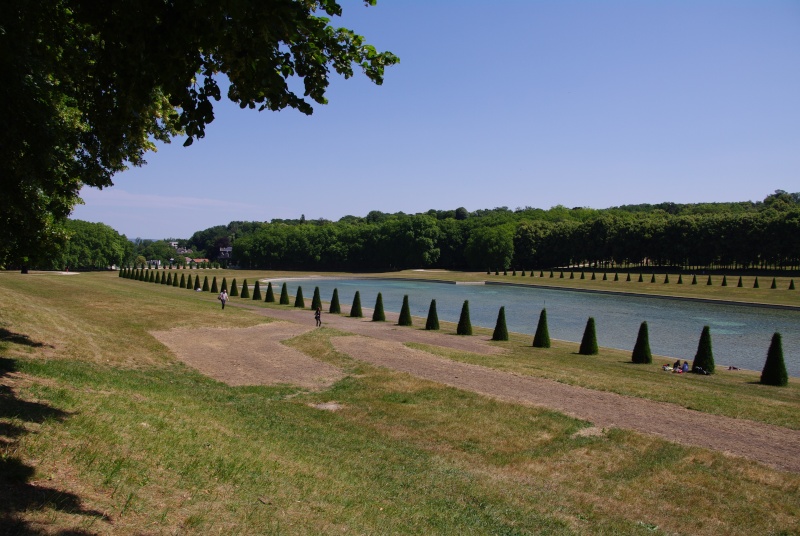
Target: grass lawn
<point>103,431</point>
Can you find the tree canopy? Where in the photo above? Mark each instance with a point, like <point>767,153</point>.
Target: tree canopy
<point>89,88</point>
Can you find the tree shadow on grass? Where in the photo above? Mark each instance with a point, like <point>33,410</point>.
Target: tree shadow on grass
<point>18,494</point>
<point>18,338</point>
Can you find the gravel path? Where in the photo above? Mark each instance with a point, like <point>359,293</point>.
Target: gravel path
<point>381,344</point>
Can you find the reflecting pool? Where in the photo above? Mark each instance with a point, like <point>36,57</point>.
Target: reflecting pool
<point>740,335</point>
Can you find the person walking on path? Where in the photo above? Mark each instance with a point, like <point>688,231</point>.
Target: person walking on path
<point>223,297</point>
<point>318,317</point>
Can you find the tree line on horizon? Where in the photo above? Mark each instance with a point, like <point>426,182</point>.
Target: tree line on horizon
<point>741,235</point>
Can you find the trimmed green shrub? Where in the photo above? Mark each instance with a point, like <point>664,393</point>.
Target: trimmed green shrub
<point>514,273</point>
<point>704,358</point>
<point>594,276</point>
<point>709,283</point>
<point>666,279</point>
<point>542,337</point>
<point>298,298</point>
<point>641,350</point>
<point>464,325</point>
<point>694,279</point>
<point>791,284</point>
<point>505,271</point>
<point>257,291</point>
<point>628,277</point>
<point>164,277</point>
<point>245,291</point>
<point>616,276</point>
<point>583,276</point>
<point>175,280</point>
<point>183,281</point>
<point>270,293</point>
<point>355,309</point>
<point>641,278</point>
<point>774,372</point>
<point>496,272</point>
<point>405,313</point>
<point>755,283</point>
<point>152,278</point>
<point>589,340</point>
<point>284,300</point>
<point>774,284</point>
<point>206,286</point>
<point>572,275</point>
<point>169,279</point>
<point>562,275</point>
<point>541,273</point>
<point>488,272</point>
<point>157,279</point>
<point>724,280</point>
<point>680,279</point>
<point>335,308</point>
<point>500,329</point>
<point>605,276</point>
<point>551,273</point>
<point>378,315</point>
<point>653,278</point>
<point>196,282</point>
<point>740,284</point>
<point>522,274</point>
<point>432,323</point>
<point>214,287</point>
<point>224,285</point>
<point>316,301</point>
<point>234,288</point>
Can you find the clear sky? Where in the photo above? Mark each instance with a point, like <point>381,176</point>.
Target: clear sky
<point>504,103</point>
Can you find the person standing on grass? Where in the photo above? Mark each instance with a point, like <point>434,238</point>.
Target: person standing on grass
<point>318,317</point>
<point>223,297</point>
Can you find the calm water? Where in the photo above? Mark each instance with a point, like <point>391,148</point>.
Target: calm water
<point>740,335</point>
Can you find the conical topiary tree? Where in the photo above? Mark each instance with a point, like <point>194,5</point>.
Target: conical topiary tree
<point>378,315</point>
<point>704,358</point>
<point>257,291</point>
<point>164,278</point>
<point>680,279</point>
<point>152,278</point>
<point>724,280</point>
<point>464,325</point>
<point>774,372</point>
<point>405,313</point>
<point>605,276</point>
<point>335,308</point>
<point>666,278</point>
<point>214,287</point>
<point>542,337</point>
<point>541,273</point>
<point>234,289</point>
<point>270,293</point>
<point>551,274</point>
<point>628,277</point>
<point>175,280</point>
<point>583,276</point>
<point>224,285</point>
<point>432,323</point>
<point>316,301</point>
<point>653,278</point>
<point>740,284</point>
<point>561,276</point>
<point>169,279</point>
<point>355,309</point>
<point>196,282</point>
<point>500,329</point>
<point>284,299</point>
<point>774,284</point>
<point>157,279</point>
<point>755,283</point>
<point>183,281</point>
<point>709,283</point>
<point>206,286</point>
<point>572,275</point>
<point>641,350</point>
<point>522,274</point>
<point>594,276</point>
<point>245,290</point>
<point>589,340</point>
<point>616,276</point>
<point>694,279</point>
<point>791,284</point>
<point>298,298</point>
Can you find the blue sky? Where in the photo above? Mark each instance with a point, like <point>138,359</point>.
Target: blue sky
<point>505,103</point>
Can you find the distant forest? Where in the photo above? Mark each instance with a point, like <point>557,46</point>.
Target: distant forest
<point>761,235</point>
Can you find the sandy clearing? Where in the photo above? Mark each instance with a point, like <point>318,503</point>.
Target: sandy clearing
<point>250,356</point>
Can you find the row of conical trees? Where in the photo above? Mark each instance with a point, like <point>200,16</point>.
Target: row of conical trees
<point>641,278</point>
<point>774,372</point>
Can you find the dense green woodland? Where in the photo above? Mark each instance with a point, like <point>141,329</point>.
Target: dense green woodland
<point>745,235</point>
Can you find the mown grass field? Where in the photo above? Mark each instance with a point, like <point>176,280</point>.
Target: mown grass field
<point>103,431</point>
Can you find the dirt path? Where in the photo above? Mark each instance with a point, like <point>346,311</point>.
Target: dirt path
<point>261,359</point>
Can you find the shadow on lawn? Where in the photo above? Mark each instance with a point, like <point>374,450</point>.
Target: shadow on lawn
<point>17,493</point>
